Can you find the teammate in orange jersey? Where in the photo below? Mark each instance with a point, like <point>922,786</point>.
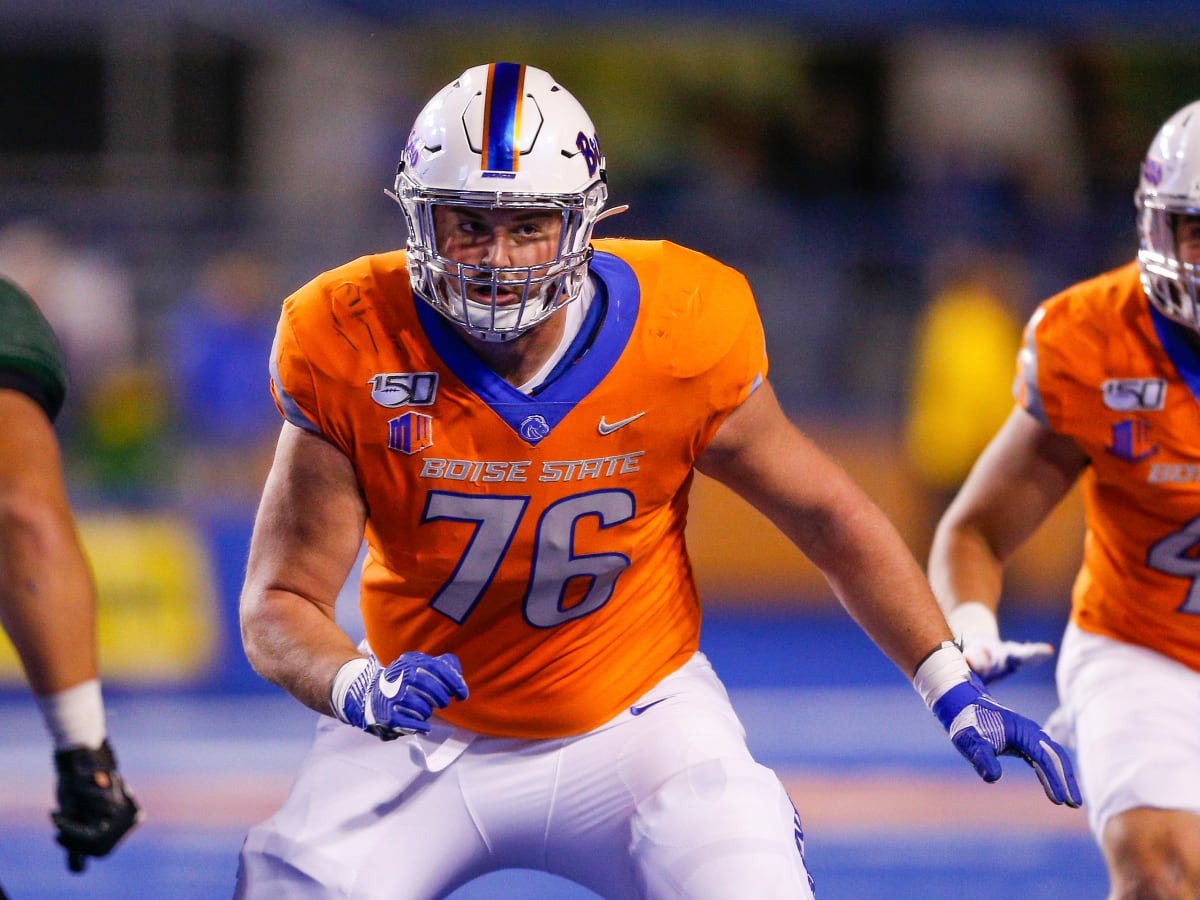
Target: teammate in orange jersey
<point>1107,392</point>
<point>47,596</point>
<point>512,415</point>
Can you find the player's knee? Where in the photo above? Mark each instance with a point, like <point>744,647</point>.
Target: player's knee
<point>270,866</point>
<point>1155,882</point>
<point>267,876</point>
<point>1166,875</point>
<point>720,829</point>
<point>1153,854</point>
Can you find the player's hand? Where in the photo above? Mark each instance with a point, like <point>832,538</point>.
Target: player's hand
<point>95,809</point>
<point>990,657</point>
<point>398,700</point>
<point>993,658</point>
<point>982,729</point>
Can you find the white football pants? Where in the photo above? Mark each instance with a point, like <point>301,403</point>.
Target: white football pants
<point>662,801</point>
<point>1130,715</point>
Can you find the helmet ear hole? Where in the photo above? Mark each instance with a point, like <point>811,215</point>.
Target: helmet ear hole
<point>501,136</point>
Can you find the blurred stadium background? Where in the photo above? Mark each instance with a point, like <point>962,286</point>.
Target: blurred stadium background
<point>901,180</point>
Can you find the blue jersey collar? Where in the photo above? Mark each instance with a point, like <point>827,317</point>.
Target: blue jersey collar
<point>595,350</point>
<point>1180,348</point>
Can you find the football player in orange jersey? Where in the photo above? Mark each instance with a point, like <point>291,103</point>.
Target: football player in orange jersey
<point>1107,389</point>
<point>512,415</point>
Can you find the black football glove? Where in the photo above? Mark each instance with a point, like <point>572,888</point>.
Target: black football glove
<point>95,808</point>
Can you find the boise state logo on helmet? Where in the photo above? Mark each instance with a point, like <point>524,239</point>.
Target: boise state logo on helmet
<point>590,148</point>
<point>1152,171</point>
<point>412,149</point>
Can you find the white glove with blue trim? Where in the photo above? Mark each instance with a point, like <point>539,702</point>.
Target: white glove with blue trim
<point>990,657</point>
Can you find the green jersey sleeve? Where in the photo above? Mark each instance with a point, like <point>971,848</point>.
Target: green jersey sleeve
<point>31,359</point>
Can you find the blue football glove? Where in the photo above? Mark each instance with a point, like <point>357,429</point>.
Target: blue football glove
<point>397,700</point>
<point>981,729</point>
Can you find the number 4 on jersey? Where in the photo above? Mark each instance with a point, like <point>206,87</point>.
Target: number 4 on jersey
<point>1175,555</point>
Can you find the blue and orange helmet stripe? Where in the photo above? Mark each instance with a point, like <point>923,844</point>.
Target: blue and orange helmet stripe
<point>502,117</point>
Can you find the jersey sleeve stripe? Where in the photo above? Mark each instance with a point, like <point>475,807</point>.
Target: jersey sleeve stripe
<point>288,406</point>
<point>1026,385</point>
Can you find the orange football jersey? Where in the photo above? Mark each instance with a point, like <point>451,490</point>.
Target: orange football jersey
<point>1100,365</point>
<point>538,537</point>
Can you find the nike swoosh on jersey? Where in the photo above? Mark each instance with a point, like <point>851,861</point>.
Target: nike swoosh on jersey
<point>608,428</point>
<point>638,710</point>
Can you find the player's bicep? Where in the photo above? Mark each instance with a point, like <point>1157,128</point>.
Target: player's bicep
<point>30,462</point>
<point>738,453</point>
<point>1023,473</point>
<point>309,525</point>
<point>763,457</point>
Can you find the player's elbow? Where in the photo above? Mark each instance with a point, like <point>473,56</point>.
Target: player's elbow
<point>255,620</point>
<point>33,522</point>
<point>279,629</point>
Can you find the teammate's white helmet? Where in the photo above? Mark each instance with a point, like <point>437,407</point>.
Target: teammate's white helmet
<point>501,136</point>
<point>1170,187</point>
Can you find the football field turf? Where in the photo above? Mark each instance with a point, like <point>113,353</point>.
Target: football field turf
<point>889,808</point>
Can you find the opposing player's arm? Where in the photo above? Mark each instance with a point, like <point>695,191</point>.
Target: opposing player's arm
<point>307,535</point>
<point>762,456</point>
<point>48,609</point>
<point>47,600</point>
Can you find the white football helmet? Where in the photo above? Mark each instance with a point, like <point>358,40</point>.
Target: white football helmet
<point>1170,187</point>
<point>501,136</point>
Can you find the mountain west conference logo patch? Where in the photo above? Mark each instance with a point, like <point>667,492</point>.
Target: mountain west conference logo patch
<point>410,433</point>
<point>1131,440</point>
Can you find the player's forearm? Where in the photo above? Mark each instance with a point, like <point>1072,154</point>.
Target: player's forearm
<point>295,644</point>
<point>964,568</point>
<point>862,556</point>
<point>47,602</point>
<point>878,581</point>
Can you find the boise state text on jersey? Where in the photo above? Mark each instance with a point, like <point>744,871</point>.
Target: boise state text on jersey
<point>538,537</point>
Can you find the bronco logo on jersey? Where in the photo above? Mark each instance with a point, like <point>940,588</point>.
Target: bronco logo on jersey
<point>1129,394</point>
<point>410,433</point>
<point>394,389</point>
<point>1131,440</point>
<point>534,428</point>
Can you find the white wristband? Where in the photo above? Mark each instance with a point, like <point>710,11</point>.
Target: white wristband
<point>973,620</point>
<point>942,669</point>
<point>75,717</point>
<point>345,677</point>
